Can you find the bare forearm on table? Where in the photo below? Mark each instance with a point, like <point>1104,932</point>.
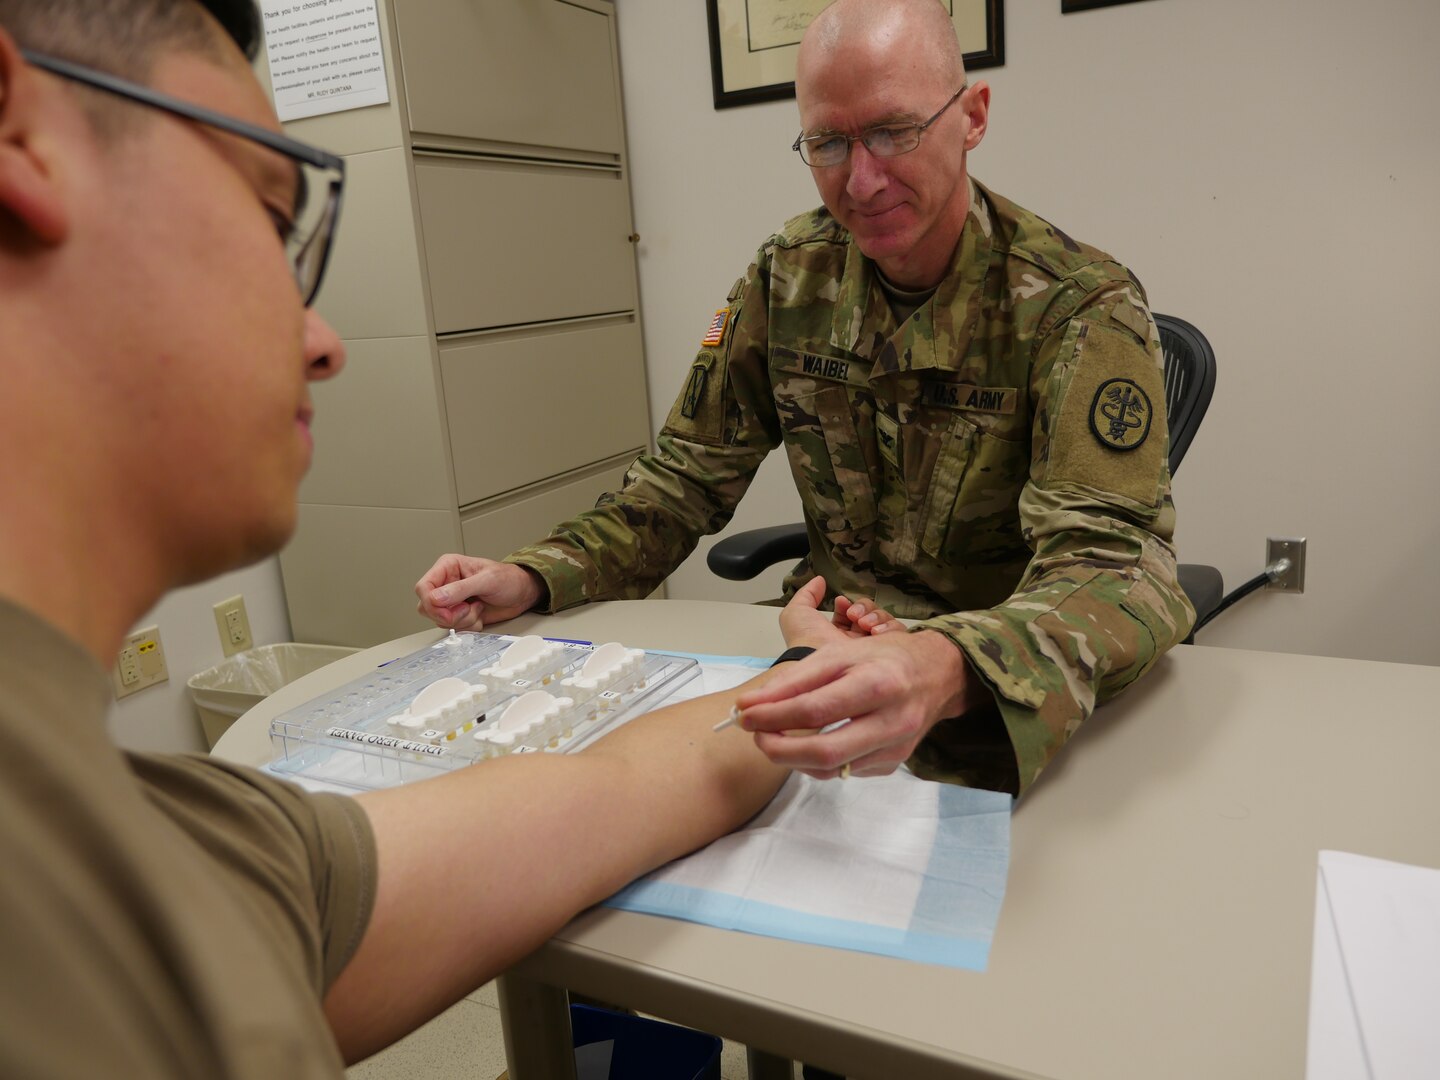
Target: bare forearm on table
<point>479,867</point>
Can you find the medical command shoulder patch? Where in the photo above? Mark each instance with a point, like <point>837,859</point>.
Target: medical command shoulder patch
<point>1120,415</point>
<point>716,334</point>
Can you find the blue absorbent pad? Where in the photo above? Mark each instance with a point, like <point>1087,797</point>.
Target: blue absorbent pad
<point>890,865</point>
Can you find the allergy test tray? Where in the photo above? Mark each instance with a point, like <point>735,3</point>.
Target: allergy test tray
<point>466,698</point>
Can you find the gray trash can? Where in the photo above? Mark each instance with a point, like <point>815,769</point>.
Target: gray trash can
<point>222,693</point>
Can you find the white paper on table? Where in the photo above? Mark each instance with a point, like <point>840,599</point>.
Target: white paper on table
<point>1375,979</point>
<point>892,865</point>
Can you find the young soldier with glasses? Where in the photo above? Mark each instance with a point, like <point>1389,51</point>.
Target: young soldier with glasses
<point>176,915</point>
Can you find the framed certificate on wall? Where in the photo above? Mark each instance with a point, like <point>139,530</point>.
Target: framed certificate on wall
<point>1069,6</point>
<point>753,43</point>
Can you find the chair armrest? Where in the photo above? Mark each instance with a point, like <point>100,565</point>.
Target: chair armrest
<point>742,556</point>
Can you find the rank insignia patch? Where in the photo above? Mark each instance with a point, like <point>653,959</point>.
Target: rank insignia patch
<point>716,334</point>
<point>695,386</point>
<point>1120,415</point>
<point>887,434</point>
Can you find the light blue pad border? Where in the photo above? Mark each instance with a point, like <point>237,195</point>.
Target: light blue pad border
<point>954,917</point>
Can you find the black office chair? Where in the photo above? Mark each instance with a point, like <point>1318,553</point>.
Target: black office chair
<point>1189,385</point>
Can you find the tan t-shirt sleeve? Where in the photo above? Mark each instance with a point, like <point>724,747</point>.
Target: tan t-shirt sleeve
<point>305,862</point>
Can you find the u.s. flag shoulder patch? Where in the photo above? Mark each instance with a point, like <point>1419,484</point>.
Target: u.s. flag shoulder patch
<point>716,334</point>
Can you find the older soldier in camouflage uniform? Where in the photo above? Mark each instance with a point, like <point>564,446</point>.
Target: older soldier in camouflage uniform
<point>973,408</point>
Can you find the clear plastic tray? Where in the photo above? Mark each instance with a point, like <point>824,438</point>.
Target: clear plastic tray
<point>467,698</point>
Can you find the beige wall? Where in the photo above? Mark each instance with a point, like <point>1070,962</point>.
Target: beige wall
<point>163,716</point>
<point>1271,171</point>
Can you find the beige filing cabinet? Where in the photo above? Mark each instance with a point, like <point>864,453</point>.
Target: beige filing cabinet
<point>484,282</point>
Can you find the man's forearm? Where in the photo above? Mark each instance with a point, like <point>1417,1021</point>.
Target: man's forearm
<point>478,867</point>
<point>1078,634</point>
<point>634,538</point>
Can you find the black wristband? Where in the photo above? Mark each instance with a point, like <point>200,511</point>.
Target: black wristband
<point>795,652</point>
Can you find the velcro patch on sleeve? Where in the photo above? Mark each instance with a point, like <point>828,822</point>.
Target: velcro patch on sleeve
<point>1133,318</point>
<point>699,411</point>
<point>1110,433</point>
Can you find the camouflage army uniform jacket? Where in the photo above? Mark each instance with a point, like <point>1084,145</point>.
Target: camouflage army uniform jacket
<point>995,466</point>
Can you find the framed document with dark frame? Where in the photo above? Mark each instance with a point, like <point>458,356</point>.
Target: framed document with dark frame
<point>753,43</point>
<point>1069,6</point>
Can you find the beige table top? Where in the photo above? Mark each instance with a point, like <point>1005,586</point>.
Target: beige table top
<point>1160,905</point>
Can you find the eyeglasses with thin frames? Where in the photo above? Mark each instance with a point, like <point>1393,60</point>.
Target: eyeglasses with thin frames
<point>311,231</point>
<point>882,140</point>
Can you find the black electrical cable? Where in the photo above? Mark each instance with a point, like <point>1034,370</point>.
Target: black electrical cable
<point>1259,581</point>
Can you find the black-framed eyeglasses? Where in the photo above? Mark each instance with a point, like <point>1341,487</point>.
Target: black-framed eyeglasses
<point>882,140</point>
<point>311,230</point>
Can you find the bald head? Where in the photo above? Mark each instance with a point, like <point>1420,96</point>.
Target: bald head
<point>918,33</point>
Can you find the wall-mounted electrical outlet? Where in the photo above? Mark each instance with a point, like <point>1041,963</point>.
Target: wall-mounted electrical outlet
<point>233,625</point>
<point>1292,550</point>
<point>141,662</point>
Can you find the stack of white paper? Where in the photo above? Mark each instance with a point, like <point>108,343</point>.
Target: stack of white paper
<point>1375,980</point>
